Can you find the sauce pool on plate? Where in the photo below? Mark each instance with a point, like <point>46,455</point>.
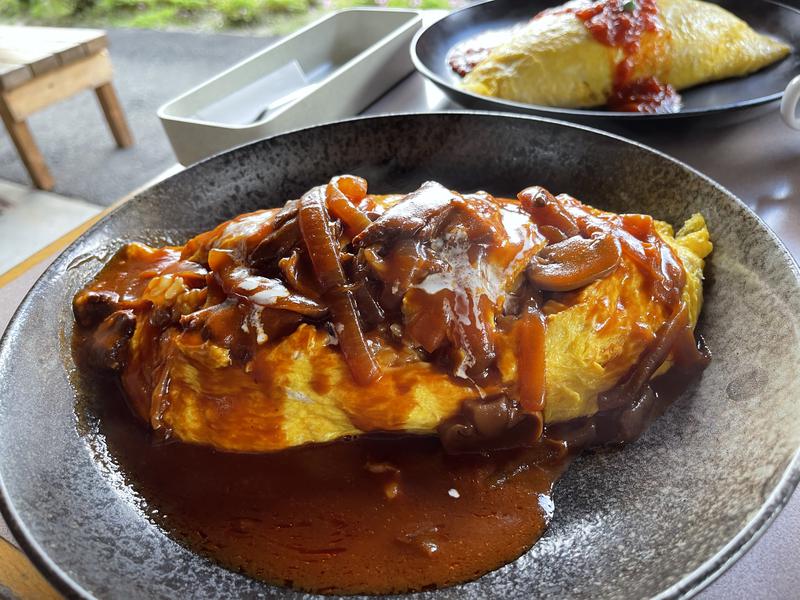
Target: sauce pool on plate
<point>379,514</point>
<point>367,515</point>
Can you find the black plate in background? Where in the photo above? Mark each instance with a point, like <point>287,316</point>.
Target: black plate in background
<point>431,46</point>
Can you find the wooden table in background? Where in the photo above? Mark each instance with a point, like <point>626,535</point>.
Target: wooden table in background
<point>758,159</point>
<point>40,66</point>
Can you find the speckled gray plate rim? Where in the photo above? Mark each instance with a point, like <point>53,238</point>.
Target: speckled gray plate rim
<point>688,585</point>
<point>702,577</point>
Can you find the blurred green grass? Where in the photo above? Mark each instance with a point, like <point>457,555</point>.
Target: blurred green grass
<point>269,16</point>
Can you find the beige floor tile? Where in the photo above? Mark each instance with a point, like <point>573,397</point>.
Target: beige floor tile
<point>30,219</point>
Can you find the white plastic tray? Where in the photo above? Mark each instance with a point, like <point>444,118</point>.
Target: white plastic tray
<point>331,69</point>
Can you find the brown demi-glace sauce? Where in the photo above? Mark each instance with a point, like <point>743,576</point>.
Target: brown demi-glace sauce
<point>359,516</point>
<point>368,515</point>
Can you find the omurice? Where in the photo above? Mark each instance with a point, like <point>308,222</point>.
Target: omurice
<point>376,393</point>
<point>626,55</point>
<point>480,318</point>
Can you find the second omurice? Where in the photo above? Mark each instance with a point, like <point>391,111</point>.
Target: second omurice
<point>625,55</point>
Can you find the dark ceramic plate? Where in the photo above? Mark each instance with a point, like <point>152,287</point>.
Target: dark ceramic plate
<point>431,46</point>
<point>663,516</point>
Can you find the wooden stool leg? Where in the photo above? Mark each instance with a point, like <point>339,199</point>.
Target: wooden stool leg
<point>114,115</point>
<point>20,577</point>
<point>28,151</point>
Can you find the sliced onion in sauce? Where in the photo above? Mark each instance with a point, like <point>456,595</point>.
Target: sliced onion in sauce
<point>235,279</point>
<point>323,249</point>
<point>352,186</point>
<point>342,196</point>
<point>292,271</point>
<point>531,359</point>
<point>650,360</point>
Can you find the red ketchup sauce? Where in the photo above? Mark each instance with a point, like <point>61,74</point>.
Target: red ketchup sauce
<point>645,95</point>
<point>622,24</point>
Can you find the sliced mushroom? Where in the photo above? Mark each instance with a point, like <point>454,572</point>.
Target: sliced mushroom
<point>275,246</point>
<point>107,347</point>
<point>489,423</point>
<point>90,307</point>
<point>547,211</point>
<point>639,241</point>
<point>288,212</point>
<point>419,212</point>
<point>237,280</point>
<point>574,263</point>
